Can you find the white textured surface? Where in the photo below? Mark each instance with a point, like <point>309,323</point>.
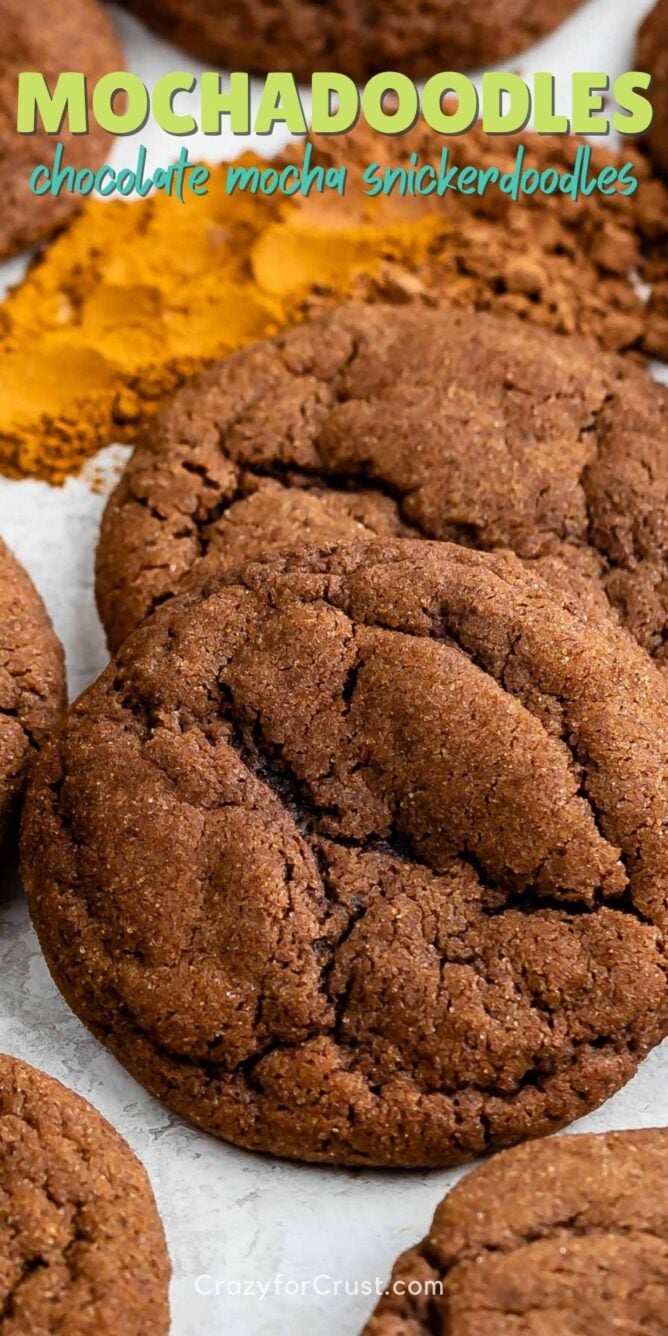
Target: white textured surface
<point>237,1218</point>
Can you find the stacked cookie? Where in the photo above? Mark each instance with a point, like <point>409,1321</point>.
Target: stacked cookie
<point>396,812</point>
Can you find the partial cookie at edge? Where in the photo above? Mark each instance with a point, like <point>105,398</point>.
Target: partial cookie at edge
<point>32,682</point>
<point>82,1246</point>
<point>571,1232</point>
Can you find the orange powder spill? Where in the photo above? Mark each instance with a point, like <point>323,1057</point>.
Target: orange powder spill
<point>134,298</point>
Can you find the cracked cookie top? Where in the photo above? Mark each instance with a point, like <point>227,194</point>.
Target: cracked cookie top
<point>566,1237</point>
<point>82,1249</point>
<point>360,855</point>
<point>404,423</point>
<point>32,681</point>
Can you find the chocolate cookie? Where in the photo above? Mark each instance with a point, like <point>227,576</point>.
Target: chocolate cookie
<point>652,55</point>
<point>568,1236</point>
<point>82,1249</point>
<point>378,421</point>
<point>358,37</point>
<point>40,36</point>
<point>32,681</point>
<point>359,855</point>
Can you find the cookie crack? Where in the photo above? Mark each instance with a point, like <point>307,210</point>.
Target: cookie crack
<point>29,1266</point>
<point>580,761</point>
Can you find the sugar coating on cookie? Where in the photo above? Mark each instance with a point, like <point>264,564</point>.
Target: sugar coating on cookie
<point>50,39</point>
<point>82,1249</point>
<point>32,681</point>
<point>652,56</point>
<point>359,855</point>
<point>404,423</point>
<point>358,37</point>
<point>566,1237</point>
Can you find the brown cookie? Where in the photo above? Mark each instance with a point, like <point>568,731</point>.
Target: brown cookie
<point>359,855</point>
<point>41,36</point>
<point>652,56</point>
<point>82,1249</point>
<point>32,681</point>
<point>358,37</point>
<point>567,1237</point>
<point>403,422</point>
